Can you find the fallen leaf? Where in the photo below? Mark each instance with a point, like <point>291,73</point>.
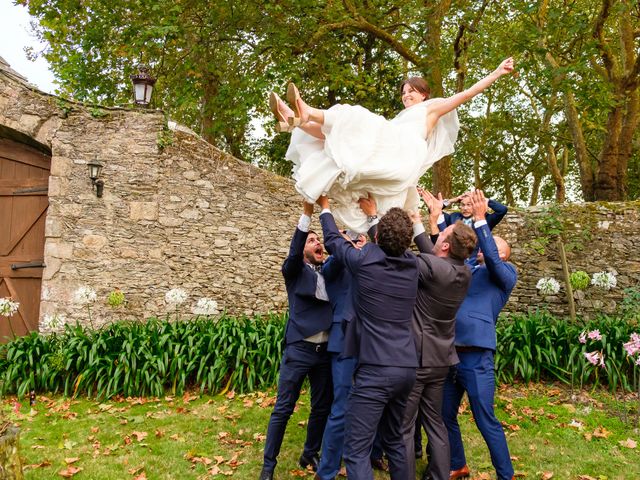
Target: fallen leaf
<point>230,395</point>
<point>70,471</point>
<point>43,464</point>
<point>601,432</point>
<point>140,435</point>
<point>628,443</point>
<point>546,475</point>
<point>70,460</point>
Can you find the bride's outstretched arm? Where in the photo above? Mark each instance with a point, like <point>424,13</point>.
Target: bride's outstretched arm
<point>437,109</point>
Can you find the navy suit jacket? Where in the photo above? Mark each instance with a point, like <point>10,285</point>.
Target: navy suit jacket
<point>493,219</point>
<point>491,285</point>
<point>384,293</point>
<point>308,315</point>
<point>338,282</point>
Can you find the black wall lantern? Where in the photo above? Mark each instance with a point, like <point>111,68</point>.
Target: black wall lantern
<point>95,169</point>
<point>143,84</point>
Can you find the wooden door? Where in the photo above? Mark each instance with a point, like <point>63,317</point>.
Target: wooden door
<point>24,180</point>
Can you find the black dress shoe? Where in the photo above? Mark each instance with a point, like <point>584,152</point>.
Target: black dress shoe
<point>305,461</point>
<point>266,475</point>
<point>379,464</point>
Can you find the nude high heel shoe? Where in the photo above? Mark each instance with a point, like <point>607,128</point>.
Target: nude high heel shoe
<point>292,97</point>
<point>281,117</point>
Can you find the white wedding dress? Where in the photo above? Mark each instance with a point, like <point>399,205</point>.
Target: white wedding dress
<point>366,153</point>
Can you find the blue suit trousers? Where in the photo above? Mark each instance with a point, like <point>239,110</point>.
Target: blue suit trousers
<point>475,375</point>
<point>332,444</point>
<point>378,396</point>
<point>299,361</point>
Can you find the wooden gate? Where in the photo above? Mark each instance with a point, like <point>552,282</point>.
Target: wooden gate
<point>24,180</point>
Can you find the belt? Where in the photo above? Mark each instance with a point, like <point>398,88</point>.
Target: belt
<point>316,347</point>
<point>463,349</point>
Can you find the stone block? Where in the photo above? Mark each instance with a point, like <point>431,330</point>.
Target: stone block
<point>94,242</point>
<point>143,210</point>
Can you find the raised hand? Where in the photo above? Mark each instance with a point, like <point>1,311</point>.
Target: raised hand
<point>434,204</point>
<point>505,67</point>
<point>323,201</point>
<point>478,205</point>
<point>368,205</point>
<point>307,208</point>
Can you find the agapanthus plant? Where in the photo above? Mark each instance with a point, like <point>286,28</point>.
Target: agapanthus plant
<point>206,306</point>
<point>548,286</point>
<point>604,280</point>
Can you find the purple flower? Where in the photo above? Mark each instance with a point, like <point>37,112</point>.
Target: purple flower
<point>582,338</point>
<point>594,335</point>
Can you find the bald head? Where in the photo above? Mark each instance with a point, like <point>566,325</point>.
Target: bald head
<point>504,250</point>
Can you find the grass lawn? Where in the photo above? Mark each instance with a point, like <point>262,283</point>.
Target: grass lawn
<point>193,437</point>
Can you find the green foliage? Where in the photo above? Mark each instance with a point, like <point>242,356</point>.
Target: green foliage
<point>165,138</point>
<point>539,346</point>
<point>97,112</point>
<point>579,280</point>
<point>146,358</point>
<point>116,298</point>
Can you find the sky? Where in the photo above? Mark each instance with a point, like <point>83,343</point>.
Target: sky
<point>14,36</point>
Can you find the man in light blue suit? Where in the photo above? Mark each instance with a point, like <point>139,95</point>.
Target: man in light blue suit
<point>492,281</point>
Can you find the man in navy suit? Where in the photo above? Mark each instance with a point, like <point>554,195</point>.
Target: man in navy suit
<point>465,215</point>
<point>338,280</point>
<point>305,353</point>
<point>384,286</point>
<point>492,281</point>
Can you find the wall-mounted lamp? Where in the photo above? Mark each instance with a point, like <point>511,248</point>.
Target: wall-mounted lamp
<point>143,84</point>
<point>95,169</point>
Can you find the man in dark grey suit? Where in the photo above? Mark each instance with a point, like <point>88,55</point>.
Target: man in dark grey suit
<point>443,283</point>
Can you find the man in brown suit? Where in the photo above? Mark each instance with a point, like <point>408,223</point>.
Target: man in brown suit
<point>443,283</point>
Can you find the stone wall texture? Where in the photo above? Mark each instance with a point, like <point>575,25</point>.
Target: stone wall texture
<point>177,212</point>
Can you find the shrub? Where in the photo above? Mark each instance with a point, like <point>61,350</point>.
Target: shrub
<point>539,346</point>
<point>579,280</point>
<point>146,358</point>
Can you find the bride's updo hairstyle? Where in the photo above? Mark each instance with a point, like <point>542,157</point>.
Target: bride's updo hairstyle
<point>418,84</point>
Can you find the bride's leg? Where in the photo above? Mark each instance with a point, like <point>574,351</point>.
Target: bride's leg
<point>313,128</point>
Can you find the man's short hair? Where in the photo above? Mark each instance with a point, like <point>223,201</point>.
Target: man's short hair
<point>462,241</point>
<point>395,231</point>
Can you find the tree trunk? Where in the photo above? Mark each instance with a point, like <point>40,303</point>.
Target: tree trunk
<point>606,185</point>
<point>10,466</point>
<point>580,146</point>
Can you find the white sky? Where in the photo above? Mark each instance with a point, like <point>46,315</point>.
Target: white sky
<point>15,34</point>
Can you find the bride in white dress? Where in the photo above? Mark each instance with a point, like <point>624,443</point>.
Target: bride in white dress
<point>348,152</point>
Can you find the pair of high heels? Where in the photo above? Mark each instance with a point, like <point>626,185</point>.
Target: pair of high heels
<point>286,122</point>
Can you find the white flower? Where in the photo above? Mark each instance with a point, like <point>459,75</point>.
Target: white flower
<point>84,295</point>
<point>206,306</point>
<point>8,307</point>
<point>582,338</point>
<point>605,280</point>
<point>175,296</point>
<point>548,286</point>
<point>52,322</point>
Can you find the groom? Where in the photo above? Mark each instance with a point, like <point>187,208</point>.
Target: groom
<point>385,281</point>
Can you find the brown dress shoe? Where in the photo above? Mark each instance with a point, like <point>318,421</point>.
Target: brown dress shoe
<point>460,473</point>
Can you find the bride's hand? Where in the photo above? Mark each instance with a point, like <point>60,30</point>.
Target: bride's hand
<point>505,67</point>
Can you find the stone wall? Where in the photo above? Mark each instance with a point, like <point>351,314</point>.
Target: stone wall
<point>597,237</point>
<point>186,215</point>
<point>177,212</point>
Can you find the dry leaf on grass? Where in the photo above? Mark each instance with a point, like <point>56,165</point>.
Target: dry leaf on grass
<point>70,471</point>
<point>546,476</point>
<point>140,435</point>
<point>628,443</point>
<point>601,432</point>
<point>70,460</point>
